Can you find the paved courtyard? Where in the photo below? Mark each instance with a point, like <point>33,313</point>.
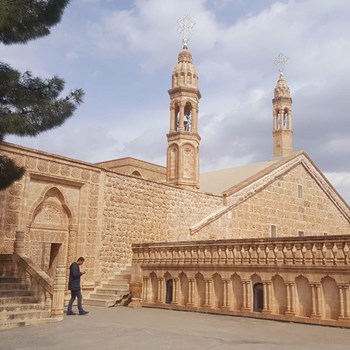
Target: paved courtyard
<point>125,328</point>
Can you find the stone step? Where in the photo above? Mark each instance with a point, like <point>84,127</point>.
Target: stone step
<point>121,284</point>
<point>99,302</point>
<point>10,324</point>
<point>121,277</point>
<point>18,300</point>
<point>11,285</point>
<point>104,296</point>
<point>21,307</point>
<point>14,293</point>
<point>23,315</point>
<point>103,290</point>
<point>9,279</point>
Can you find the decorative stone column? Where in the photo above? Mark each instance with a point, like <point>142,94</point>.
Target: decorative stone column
<point>267,297</point>
<point>191,288</point>
<point>227,294</point>
<point>290,298</point>
<point>344,313</point>
<point>315,290</point>
<point>176,291</point>
<point>160,298</point>
<point>136,292</point>
<point>145,289</point>
<point>59,288</point>
<point>208,292</point>
<point>246,296</point>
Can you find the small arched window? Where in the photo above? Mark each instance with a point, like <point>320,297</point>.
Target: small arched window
<point>136,173</point>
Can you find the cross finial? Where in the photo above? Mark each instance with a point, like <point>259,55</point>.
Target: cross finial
<point>280,62</point>
<point>186,28</point>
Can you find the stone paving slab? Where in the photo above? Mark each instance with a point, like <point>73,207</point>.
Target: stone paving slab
<point>125,328</point>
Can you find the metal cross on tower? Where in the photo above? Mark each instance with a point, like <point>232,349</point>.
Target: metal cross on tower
<point>280,62</point>
<point>186,28</point>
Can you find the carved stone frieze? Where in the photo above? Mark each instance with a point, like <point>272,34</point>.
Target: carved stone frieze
<point>54,168</point>
<point>12,217</point>
<point>30,163</point>
<point>95,177</point>
<point>13,203</point>
<point>43,166</point>
<point>65,170</point>
<point>92,213</point>
<point>85,175</point>
<point>15,189</point>
<point>75,172</point>
<point>93,189</point>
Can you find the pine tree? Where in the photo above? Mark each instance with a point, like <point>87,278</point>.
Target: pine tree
<point>29,105</point>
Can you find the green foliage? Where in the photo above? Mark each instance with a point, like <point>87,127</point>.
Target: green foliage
<point>23,20</point>
<point>9,172</point>
<point>29,105</point>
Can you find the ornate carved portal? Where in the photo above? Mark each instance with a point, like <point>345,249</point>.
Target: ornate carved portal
<point>51,235</point>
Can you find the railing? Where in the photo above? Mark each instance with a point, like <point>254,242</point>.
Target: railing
<point>49,292</point>
<point>6,266</point>
<point>37,281</point>
<point>299,279</point>
<point>297,251</point>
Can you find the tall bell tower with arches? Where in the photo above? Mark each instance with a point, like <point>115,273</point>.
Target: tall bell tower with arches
<point>282,114</point>
<point>183,137</point>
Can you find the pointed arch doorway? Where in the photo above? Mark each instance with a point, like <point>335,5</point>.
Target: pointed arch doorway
<point>258,295</point>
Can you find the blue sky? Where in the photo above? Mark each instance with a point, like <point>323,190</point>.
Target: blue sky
<point>122,53</point>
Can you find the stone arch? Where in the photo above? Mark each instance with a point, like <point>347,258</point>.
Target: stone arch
<point>183,289</point>
<point>200,283</point>
<point>331,305</point>
<point>136,173</point>
<point>218,291</point>
<point>51,235</point>
<point>53,191</point>
<point>154,287</point>
<point>188,114</point>
<point>304,297</point>
<point>237,292</point>
<point>279,305</point>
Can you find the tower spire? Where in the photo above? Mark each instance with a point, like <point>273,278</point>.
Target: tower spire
<point>183,137</point>
<point>282,113</point>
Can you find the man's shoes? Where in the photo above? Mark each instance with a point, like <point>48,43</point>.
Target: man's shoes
<point>83,312</point>
<point>69,313</point>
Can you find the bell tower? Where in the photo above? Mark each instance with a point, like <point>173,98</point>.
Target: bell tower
<point>183,137</point>
<point>282,115</point>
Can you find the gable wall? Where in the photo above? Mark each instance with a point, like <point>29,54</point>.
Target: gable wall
<point>278,204</point>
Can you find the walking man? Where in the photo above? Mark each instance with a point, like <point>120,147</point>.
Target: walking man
<point>74,287</point>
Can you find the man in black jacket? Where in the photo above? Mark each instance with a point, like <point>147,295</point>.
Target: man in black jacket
<point>74,287</point>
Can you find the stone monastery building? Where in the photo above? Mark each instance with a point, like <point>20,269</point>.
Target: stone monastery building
<point>269,239</point>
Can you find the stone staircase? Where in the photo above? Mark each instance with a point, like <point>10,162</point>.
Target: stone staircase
<point>115,292</point>
<point>18,306</point>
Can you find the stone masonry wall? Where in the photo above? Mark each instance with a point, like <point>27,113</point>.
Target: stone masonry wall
<point>279,204</point>
<point>138,211</point>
